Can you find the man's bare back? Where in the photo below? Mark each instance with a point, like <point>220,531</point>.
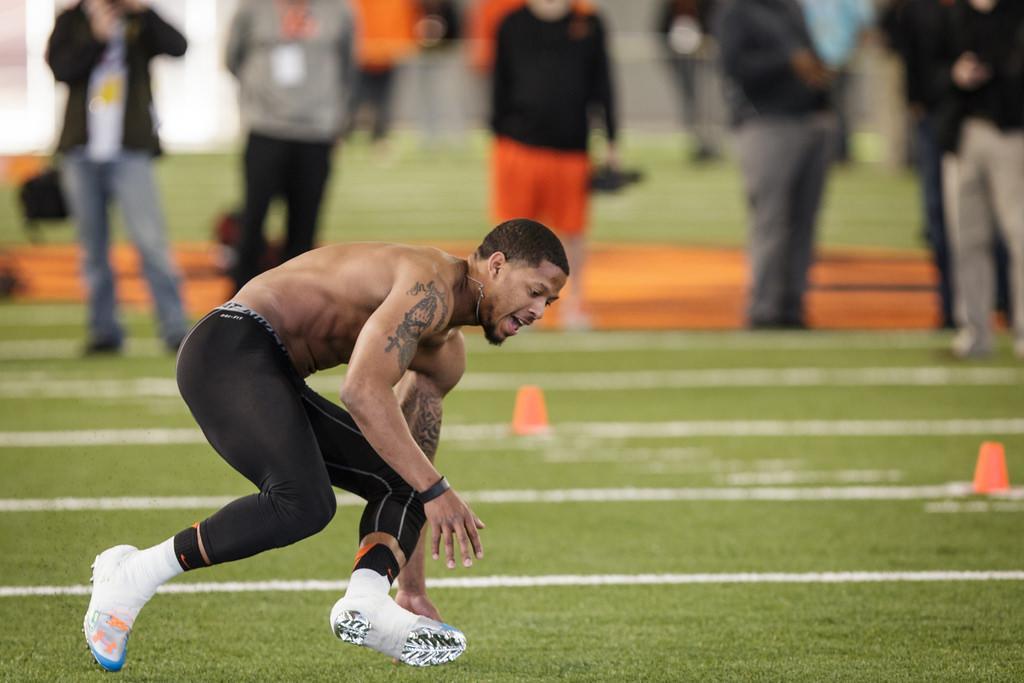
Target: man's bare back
<point>319,302</point>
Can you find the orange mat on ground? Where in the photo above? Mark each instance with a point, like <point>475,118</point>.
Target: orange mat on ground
<point>628,286</point>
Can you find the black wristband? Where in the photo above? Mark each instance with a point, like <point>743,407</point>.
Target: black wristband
<point>434,491</point>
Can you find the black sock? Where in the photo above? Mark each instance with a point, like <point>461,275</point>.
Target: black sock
<point>379,558</point>
<point>186,548</point>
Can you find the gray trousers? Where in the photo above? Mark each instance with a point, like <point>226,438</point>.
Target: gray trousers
<point>784,163</point>
<point>985,189</point>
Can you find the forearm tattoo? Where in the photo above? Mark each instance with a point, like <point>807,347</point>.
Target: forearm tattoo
<point>430,310</point>
<point>422,410</point>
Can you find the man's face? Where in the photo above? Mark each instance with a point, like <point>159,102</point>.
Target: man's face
<point>516,295</point>
<point>549,10</point>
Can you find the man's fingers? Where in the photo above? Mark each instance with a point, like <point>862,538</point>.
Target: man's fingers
<point>449,547</point>
<point>464,547</point>
<point>474,537</point>
<point>435,542</point>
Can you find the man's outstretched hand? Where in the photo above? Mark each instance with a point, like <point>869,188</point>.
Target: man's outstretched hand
<point>451,520</point>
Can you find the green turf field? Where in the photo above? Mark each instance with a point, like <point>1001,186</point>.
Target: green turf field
<point>699,456</point>
<point>744,475</point>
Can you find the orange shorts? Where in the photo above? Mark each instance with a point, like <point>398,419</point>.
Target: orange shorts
<point>546,185</point>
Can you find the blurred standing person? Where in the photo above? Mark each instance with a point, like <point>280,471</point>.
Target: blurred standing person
<point>440,94</point>
<point>914,30</point>
<point>982,132</point>
<point>778,90</point>
<point>837,27</point>
<point>291,59</point>
<point>551,69</point>
<point>683,26</point>
<point>101,49</point>
<point>385,37</point>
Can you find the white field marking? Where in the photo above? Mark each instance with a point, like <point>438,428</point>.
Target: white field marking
<point>778,478</point>
<point>738,428</point>
<point>953,506</point>
<point>38,385</point>
<point>536,341</point>
<point>551,496</point>
<point>571,342</point>
<point>603,430</point>
<point>555,580</point>
<point>598,454</point>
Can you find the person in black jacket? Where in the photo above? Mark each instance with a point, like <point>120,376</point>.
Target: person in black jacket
<point>550,70</point>
<point>981,129</point>
<point>778,90</point>
<point>101,49</point>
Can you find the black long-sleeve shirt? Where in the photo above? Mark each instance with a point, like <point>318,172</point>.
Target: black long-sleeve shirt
<point>547,78</point>
<point>997,38</point>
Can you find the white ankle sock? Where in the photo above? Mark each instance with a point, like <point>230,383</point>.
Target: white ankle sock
<point>157,565</point>
<point>367,582</point>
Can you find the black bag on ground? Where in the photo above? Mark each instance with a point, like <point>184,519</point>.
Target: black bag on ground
<point>42,200</point>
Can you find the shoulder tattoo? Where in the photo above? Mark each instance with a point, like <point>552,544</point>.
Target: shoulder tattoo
<point>431,309</point>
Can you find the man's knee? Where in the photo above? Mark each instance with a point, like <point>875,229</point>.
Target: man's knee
<point>304,510</point>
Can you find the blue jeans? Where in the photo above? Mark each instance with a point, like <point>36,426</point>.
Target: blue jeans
<point>128,179</point>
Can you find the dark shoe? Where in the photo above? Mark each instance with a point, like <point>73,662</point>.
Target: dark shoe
<point>102,347</point>
<point>704,155</point>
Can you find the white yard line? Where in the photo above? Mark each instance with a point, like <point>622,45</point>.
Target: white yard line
<point>549,496</point>
<point>954,506</point>
<point>790,477</point>
<point>602,430</point>
<point>558,580</point>
<point>45,385</point>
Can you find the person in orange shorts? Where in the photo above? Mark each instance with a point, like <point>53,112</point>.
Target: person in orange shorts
<point>550,68</point>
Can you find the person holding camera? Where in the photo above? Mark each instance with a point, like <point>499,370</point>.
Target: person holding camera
<point>101,49</point>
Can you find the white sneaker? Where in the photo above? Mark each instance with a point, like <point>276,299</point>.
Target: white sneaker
<point>115,604</point>
<point>377,622</point>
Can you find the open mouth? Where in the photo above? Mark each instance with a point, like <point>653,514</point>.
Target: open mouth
<point>516,323</point>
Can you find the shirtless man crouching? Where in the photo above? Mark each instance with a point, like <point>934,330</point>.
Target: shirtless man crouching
<point>392,313</point>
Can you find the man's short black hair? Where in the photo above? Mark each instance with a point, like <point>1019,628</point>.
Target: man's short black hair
<point>521,239</point>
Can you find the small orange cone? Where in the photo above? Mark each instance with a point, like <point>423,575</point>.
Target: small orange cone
<point>990,475</point>
<point>530,416</point>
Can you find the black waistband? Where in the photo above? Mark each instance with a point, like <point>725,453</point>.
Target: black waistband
<point>235,307</point>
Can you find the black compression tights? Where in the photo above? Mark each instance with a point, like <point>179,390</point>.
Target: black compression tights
<point>290,442</point>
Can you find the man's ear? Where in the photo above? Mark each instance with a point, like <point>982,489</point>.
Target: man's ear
<point>495,263</point>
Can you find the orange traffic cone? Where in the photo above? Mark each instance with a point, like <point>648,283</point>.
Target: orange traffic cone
<point>990,475</point>
<point>530,416</point>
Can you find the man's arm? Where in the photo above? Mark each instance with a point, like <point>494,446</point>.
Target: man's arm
<point>157,36</point>
<point>386,346</point>
<point>421,396</point>
<point>238,40</point>
<point>70,53</point>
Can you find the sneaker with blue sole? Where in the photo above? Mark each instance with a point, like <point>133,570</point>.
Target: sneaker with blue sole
<point>113,608</point>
